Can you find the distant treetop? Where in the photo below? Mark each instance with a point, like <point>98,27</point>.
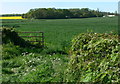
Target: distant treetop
<point>53,13</point>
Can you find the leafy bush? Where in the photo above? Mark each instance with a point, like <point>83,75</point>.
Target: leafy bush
<point>9,35</point>
<point>94,59</point>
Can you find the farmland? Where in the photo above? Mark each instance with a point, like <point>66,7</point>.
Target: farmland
<point>11,17</point>
<point>61,30</point>
<point>60,60</point>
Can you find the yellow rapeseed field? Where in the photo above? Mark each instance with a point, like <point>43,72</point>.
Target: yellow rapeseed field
<point>11,17</point>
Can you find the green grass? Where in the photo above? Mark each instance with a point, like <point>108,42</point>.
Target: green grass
<point>58,31</point>
<point>36,65</point>
<point>40,66</point>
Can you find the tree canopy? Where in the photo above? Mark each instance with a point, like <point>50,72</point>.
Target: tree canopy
<point>53,13</point>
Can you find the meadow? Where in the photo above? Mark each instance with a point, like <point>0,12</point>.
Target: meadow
<point>57,62</point>
<point>59,31</point>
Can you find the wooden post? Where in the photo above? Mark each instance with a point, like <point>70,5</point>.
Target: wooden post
<point>43,39</point>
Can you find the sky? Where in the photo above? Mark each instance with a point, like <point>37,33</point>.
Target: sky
<point>23,6</point>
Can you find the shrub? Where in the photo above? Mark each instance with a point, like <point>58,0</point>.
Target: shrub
<point>10,35</point>
<point>94,59</point>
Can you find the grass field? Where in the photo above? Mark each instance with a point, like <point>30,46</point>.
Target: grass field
<point>50,64</point>
<point>58,31</point>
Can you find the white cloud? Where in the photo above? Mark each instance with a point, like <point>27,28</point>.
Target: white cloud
<point>60,0</point>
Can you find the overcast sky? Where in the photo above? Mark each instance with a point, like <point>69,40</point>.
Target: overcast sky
<point>23,6</point>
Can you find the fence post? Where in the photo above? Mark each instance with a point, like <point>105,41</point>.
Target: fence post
<point>41,35</point>
<point>43,39</point>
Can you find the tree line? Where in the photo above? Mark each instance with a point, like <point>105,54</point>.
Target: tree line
<point>5,15</point>
<point>53,13</point>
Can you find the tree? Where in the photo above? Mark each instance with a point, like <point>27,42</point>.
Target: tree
<point>52,13</point>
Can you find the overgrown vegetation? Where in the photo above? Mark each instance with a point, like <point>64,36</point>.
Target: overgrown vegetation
<point>9,35</point>
<point>95,58</point>
<point>90,57</point>
<point>31,65</point>
<point>20,64</point>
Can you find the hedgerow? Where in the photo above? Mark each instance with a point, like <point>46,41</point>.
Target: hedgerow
<point>94,58</point>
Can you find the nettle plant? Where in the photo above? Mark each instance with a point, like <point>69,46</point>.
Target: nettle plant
<point>94,58</point>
